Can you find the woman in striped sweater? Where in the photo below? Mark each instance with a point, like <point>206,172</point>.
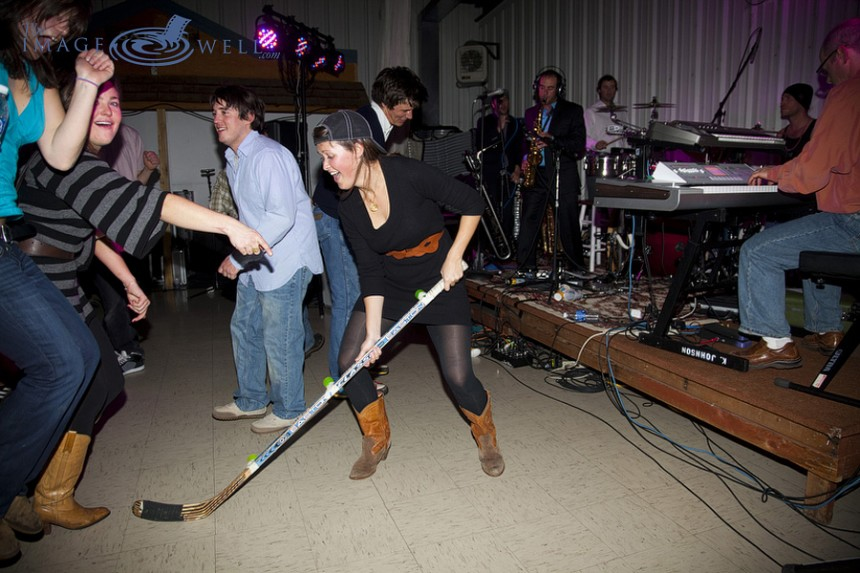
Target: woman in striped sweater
<point>66,207</point>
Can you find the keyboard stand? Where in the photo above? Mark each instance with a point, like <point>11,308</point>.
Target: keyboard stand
<point>659,336</point>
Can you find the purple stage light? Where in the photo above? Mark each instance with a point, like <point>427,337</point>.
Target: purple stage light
<point>267,38</point>
<point>319,63</point>
<point>338,65</point>
<point>302,47</point>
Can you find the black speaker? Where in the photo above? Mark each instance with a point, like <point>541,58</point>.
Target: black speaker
<point>284,132</point>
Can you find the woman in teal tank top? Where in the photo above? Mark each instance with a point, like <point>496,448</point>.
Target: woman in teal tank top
<point>40,332</point>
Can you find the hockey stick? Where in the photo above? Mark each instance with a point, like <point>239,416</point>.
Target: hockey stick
<point>157,511</point>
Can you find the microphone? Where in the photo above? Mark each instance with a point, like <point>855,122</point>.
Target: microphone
<point>494,93</point>
<point>754,50</point>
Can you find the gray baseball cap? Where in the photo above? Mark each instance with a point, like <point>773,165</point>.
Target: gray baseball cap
<point>346,125</point>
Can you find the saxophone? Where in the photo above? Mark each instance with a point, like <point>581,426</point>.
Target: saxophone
<point>534,155</point>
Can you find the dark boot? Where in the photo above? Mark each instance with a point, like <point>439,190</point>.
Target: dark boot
<point>376,441</point>
<point>484,432</point>
<point>54,500</point>
<point>23,519</point>
<point>10,549</point>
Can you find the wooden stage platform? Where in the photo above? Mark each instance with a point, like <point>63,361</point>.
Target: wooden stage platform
<point>820,436</point>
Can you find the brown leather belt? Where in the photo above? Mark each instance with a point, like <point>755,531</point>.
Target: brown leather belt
<point>36,248</point>
<point>428,245</point>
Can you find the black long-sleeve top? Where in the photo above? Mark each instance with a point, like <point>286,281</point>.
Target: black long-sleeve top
<point>417,194</point>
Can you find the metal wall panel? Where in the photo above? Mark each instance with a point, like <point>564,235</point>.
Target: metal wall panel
<point>685,52</point>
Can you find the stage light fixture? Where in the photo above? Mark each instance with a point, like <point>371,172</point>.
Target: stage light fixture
<point>267,39</point>
<point>336,63</point>
<point>296,41</point>
<point>330,61</point>
<point>303,47</point>
<point>318,63</point>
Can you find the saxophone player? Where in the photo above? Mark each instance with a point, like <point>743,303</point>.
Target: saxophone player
<point>552,124</point>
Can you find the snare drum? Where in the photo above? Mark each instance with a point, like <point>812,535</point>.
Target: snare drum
<point>601,165</point>
<point>625,162</point>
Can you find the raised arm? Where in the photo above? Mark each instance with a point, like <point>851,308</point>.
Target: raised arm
<point>66,131</point>
<point>151,161</point>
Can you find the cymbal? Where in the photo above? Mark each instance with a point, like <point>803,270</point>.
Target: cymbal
<point>611,108</point>
<point>652,104</point>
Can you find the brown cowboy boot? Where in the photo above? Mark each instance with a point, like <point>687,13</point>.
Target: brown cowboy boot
<point>376,441</point>
<point>54,499</point>
<point>484,432</point>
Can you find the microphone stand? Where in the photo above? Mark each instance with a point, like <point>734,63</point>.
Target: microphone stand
<point>718,116</point>
<point>555,279</point>
<point>478,262</point>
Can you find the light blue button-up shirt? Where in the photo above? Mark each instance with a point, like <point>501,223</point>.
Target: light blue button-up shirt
<point>271,198</point>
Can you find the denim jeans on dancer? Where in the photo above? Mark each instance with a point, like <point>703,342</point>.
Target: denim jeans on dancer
<point>47,339</point>
<point>269,336</point>
<point>342,279</point>
<point>767,255</point>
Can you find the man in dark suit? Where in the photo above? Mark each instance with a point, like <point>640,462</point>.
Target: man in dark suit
<point>395,94</point>
<point>561,131</point>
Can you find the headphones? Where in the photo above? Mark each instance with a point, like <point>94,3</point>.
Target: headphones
<point>562,83</point>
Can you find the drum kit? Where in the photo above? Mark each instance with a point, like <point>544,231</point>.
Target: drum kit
<point>621,163</point>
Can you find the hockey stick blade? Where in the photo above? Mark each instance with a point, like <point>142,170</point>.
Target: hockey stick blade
<point>158,511</point>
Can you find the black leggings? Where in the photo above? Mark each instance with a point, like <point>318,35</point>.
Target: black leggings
<point>108,383</point>
<point>453,345</point>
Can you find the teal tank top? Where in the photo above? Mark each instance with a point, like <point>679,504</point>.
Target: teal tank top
<point>23,129</point>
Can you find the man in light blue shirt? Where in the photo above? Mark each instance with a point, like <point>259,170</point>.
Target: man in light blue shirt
<point>267,326</point>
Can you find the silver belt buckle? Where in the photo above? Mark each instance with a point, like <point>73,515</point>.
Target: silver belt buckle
<point>5,239</point>
<point>5,233</point>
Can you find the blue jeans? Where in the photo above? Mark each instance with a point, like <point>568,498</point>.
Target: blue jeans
<point>269,336</point>
<point>342,281</point>
<point>47,339</point>
<point>767,255</point>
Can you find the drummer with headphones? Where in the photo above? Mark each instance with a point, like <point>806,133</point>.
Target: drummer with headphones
<point>561,130</point>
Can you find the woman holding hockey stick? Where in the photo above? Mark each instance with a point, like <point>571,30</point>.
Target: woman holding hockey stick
<point>66,208</point>
<point>391,213</point>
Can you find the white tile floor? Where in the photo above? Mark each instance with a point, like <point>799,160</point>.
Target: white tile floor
<point>582,490</point>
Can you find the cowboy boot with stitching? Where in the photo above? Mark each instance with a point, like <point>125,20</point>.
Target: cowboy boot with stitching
<point>484,432</point>
<point>376,441</point>
<point>54,499</point>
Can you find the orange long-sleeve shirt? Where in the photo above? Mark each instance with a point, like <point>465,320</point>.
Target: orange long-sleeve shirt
<point>829,164</point>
